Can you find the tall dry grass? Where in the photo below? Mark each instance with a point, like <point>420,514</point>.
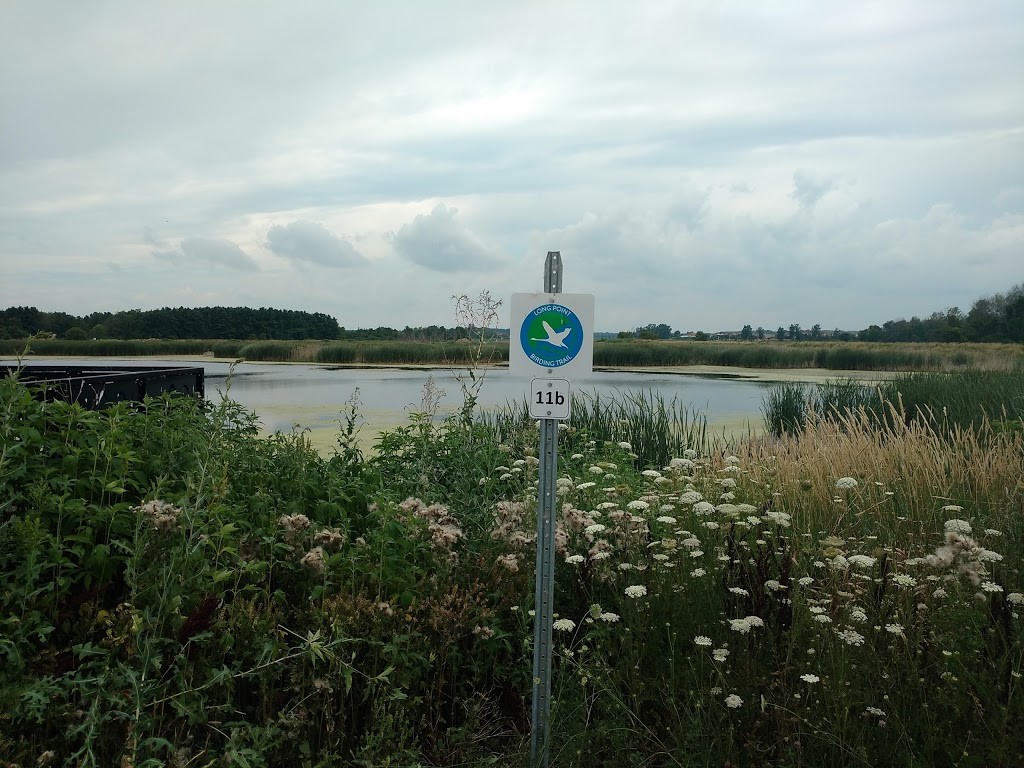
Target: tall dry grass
<point>906,472</point>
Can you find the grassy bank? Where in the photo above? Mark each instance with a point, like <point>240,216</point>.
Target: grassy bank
<point>846,356</point>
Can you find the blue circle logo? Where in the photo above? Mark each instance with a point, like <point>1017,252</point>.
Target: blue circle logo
<point>551,335</point>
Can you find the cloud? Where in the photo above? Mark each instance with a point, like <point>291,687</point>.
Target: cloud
<point>312,242</point>
<point>441,243</point>
<point>203,249</point>
<point>808,191</point>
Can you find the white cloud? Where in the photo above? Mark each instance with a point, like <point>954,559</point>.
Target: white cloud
<point>310,241</point>
<point>439,242</point>
<point>208,250</point>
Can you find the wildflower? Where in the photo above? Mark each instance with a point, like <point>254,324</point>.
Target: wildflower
<point>602,555</point>
<point>690,497</point>
<point>595,470</point>
<point>720,654</point>
<point>590,530</point>
<point>896,629</point>
<point>993,532</point>
<point>640,506</point>
<point>625,446</point>
<point>609,617</point>
<point>874,711</point>
<point>667,519</point>
<point>939,592</point>
<point>660,557</point>
<point>739,591</point>
<point>486,632</point>
<point>698,572</point>
<point>731,460</point>
<point>329,538</point>
<point>511,562</point>
<point>715,690</point>
<point>574,559</point>
<point>805,581</point>
<point>990,586</point>
<point>711,525</point>
<point>727,482</point>
<point>651,473</point>
<point>808,678</point>
<point>163,515</point>
<point>732,701</point>
<point>703,508</point>
<point>743,626</point>
<point>1015,598</point>
<point>957,526</point>
<point>823,619</point>
<point>314,560</point>
<point>850,637</point>
<point>952,508</point>
<point>635,591</point>
<point>858,614</point>
<point>703,641</point>
<point>585,486</point>
<point>903,580</point>
<point>846,483</point>
<point>691,542</point>
<point>774,586</point>
<point>576,456</point>
<point>861,561</point>
<point>564,625</point>
<point>46,758</point>
<point>781,519</point>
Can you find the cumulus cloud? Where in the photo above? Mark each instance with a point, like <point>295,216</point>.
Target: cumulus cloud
<point>312,242</point>
<point>212,251</point>
<point>807,191</point>
<point>442,243</point>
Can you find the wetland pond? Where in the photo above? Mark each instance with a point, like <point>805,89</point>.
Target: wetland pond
<point>313,397</point>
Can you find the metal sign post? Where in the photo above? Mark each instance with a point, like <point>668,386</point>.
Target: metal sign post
<point>552,336</point>
<point>544,593</point>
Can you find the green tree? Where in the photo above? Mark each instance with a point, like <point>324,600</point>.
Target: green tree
<point>795,333</point>
<point>747,333</point>
<point>75,333</point>
<point>760,333</point>
<point>780,334</point>
<point>816,332</point>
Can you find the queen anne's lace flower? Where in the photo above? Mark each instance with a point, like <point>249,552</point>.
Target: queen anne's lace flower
<point>635,591</point>
<point>564,625</point>
<point>702,640</point>
<point>732,701</point>
<point>958,526</point>
<point>846,483</point>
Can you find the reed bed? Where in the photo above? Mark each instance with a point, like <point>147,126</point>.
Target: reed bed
<point>963,399</point>
<point>839,356</point>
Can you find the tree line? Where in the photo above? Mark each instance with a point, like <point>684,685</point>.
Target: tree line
<point>171,323</point>
<point>209,323</point>
<point>996,318</point>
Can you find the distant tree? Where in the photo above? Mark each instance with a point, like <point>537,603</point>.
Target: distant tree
<point>747,333</point>
<point>795,333</point>
<point>75,334</point>
<point>700,336</point>
<point>816,332</point>
<point>655,331</point>
<point>760,333</point>
<point>99,331</point>
<point>627,335</point>
<point>780,334</point>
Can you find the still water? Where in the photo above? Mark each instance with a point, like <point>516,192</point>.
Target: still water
<point>313,397</point>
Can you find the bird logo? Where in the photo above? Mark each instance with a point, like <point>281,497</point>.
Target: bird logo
<point>555,338</point>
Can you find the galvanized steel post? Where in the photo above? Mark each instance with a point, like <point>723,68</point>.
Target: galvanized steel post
<point>544,594</point>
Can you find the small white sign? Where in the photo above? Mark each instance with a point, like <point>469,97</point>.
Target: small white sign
<point>550,399</point>
<point>552,334</point>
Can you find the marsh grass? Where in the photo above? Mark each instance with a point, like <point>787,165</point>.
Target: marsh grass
<point>962,399</point>
<point>837,356</point>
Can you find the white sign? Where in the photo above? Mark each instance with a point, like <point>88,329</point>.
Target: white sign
<point>551,334</point>
<point>550,399</point>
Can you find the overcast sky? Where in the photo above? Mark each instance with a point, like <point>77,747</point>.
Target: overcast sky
<point>701,164</point>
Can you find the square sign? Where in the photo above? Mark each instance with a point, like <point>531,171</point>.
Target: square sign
<point>551,334</point>
<point>549,399</point>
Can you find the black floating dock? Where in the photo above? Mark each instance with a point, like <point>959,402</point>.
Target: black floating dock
<point>96,386</point>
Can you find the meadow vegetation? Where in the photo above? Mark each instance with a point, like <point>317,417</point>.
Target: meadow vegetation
<point>175,590</point>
